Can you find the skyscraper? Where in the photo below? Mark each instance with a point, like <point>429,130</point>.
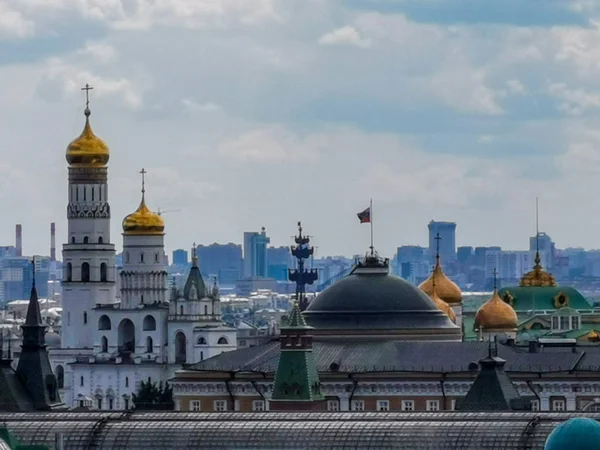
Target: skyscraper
<point>223,261</point>
<point>255,253</point>
<point>447,231</point>
<point>180,257</point>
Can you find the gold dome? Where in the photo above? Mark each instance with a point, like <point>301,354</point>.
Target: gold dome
<point>143,222</point>
<point>87,150</point>
<point>446,289</point>
<point>496,315</point>
<point>442,305</point>
<point>537,277</point>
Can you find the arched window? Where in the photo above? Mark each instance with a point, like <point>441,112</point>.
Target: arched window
<point>80,381</point>
<point>149,323</point>
<point>93,193</point>
<point>86,240</point>
<point>142,257</point>
<point>104,322</point>
<point>180,348</point>
<point>103,272</point>
<point>156,258</point>
<point>126,336</point>
<point>142,298</point>
<point>69,275</point>
<point>72,239</point>
<point>201,341</point>
<point>223,341</point>
<point>181,310</point>
<point>60,376</point>
<point>126,381</point>
<point>85,272</point>
<point>100,240</point>
<point>85,318</point>
<point>104,344</point>
<point>201,356</point>
<point>206,310</point>
<point>149,345</point>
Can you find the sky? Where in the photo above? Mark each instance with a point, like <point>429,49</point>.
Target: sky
<point>251,113</point>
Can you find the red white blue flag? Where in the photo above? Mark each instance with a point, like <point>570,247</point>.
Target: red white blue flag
<point>365,216</point>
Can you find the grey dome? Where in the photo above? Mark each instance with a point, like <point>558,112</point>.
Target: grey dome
<point>52,339</point>
<point>371,298</point>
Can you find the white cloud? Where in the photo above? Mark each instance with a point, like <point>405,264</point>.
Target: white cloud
<point>344,36</point>
<point>99,52</point>
<point>573,101</point>
<point>191,106</point>
<point>13,24</point>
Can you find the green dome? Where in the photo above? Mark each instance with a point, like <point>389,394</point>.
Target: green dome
<point>575,434</point>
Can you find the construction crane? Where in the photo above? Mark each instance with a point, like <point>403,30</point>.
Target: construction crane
<point>160,212</point>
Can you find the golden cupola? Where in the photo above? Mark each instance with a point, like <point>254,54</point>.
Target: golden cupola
<point>446,289</point>
<point>87,150</point>
<point>143,221</point>
<point>442,305</point>
<point>496,315</point>
<point>538,277</point>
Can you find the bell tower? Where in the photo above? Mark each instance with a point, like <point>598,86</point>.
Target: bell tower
<point>88,255</point>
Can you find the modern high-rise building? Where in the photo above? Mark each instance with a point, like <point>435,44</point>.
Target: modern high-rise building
<point>447,241</point>
<point>17,277</point>
<point>255,254</point>
<point>223,261</point>
<point>180,257</point>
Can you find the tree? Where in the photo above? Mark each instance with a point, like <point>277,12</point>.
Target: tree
<point>153,396</point>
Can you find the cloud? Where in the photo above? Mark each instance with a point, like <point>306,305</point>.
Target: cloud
<point>13,24</point>
<point>573,101</point>
<point>344,36</point>
<point>268,145</point>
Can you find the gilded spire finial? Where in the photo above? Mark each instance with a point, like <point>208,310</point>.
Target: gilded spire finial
<point>87,90</point>
<point>143,173</point>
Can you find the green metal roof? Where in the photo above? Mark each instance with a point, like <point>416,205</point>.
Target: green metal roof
<point>542,298</point>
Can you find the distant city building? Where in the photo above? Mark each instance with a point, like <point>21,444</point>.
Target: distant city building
<point>180,257</point>
<point>8,251</point>
<point>447,231</point>
<point>464,254</point>
<point>279,260</point>
<point>223,261</point>
<point>510,265</point>
<point>547,249</point>
<point>255,254</point>
<point>17,276</point>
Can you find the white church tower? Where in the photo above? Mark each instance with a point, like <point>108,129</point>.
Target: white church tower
<point>89,255</point>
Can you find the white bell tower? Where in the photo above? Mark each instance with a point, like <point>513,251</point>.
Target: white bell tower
<point>88,256</point>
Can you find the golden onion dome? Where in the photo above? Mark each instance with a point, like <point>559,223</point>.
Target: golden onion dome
<point>143,222</point>
<point>446,289</point>
<point>87,150</point>
<point>538,277</point>
<point>442,305</point>
<point>496,315</point>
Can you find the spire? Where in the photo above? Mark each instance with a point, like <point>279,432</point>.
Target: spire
<point>537,260</point>
<point>296,319</point>
<point>87,90</point>
<point>194,256</point>
<point>495,273</point>
<point>34,317</point>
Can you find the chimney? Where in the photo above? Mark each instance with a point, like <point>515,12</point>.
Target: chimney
<point>19,239</point>
<point>52,241</point>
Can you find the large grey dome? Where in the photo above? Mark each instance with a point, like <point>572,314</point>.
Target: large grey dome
<point>372,299</point>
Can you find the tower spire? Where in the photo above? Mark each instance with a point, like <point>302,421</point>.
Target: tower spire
<point>538,260</point>
<point>495,273</point>
<point>87,88</point>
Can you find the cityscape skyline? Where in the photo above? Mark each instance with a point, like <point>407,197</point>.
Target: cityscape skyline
<point>227,130</point>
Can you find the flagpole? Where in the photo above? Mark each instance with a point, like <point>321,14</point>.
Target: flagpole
<point>371,217</point>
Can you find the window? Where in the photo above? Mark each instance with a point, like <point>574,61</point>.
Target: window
<point>60,376</point>
<point>195,405</point>
<point>104,344</point>
<point>564,323</point>
<point>383,405</point>
<point>85,318</point>
<point>149,345</point>
<point>258,405</point>
<point>223,341</point>
<point>111,403</point>
<point>156,258</point>
<point>126,403</point>
<point>575,322</point>
<point>142,257</point>
<point>220,405</point>
<point>206,310</point>
<point>100,240</point>
<point>357,405</point>
<point>555,323</point>
<point>241,343</point>
<point>127,257</point>
<point>149,323</point>
<point>142,298</point>
<point>201,341</point>
<point>103,272</point>
<point>84,194</point>
<point>93,200</point>
<point>69,318</point>
<point>535,405</point>
<point>408,405</point>
<point>72,239</point>
<point>558,405</point>
<point>100,193</point>
<point>126,381</point>
<point>201,356</point>
<point>86,240</point>
<point>69,271</point>
<point>181,310</point>
<point>104,323</point>
<point>433,405</point>
<point>81,381</point>
<point>333,405</point>
<point>99,400</point>
<point>85,272</point>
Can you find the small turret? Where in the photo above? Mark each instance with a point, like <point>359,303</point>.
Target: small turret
<point>301,276</point>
